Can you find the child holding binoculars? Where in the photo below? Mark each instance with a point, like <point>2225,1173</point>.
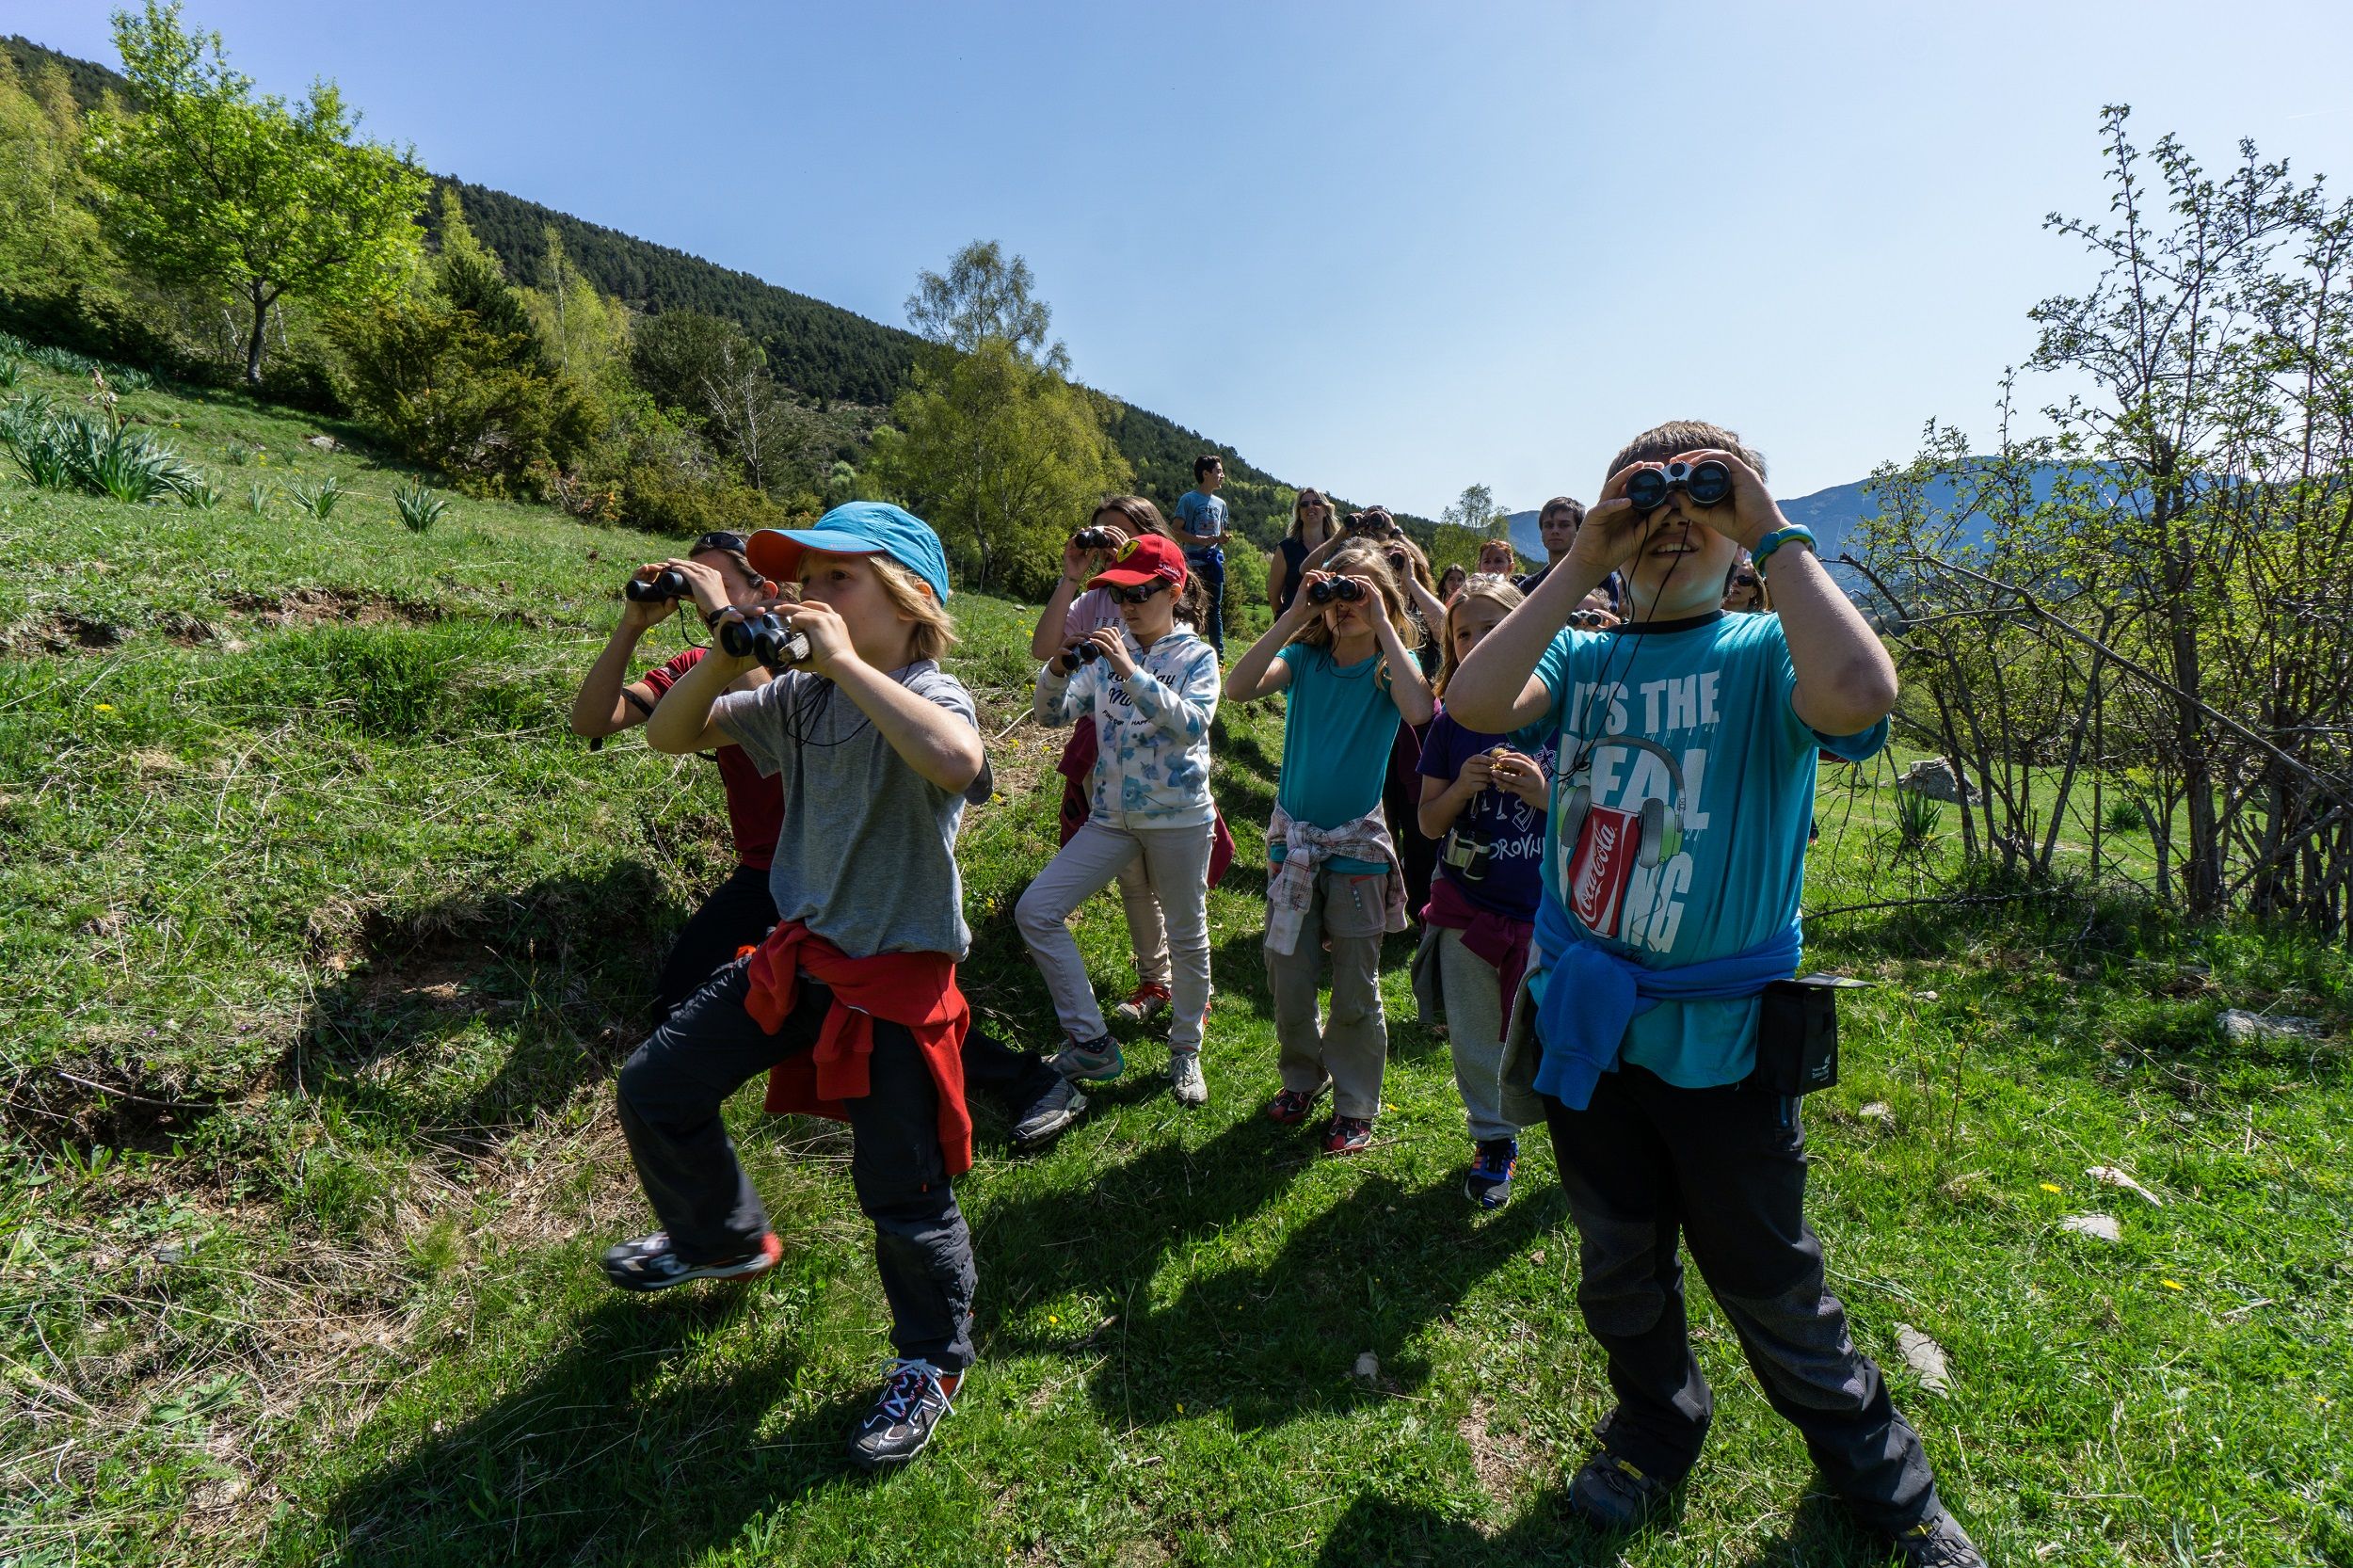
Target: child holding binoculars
<point>1483,796</point>
<point>1149,689</point>
<point>851,1003</point>
<point>713,575</point>
<point>1333,865</point>
<point>1674,863</point>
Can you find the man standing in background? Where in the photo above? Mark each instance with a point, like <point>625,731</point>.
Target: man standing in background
<point>1201,527</point>
<point>1561,517</point>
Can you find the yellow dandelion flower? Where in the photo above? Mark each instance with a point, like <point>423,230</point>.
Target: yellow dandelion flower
<point>2050,1186</point>
<point>104,707</point>
<point>2172,1285</point>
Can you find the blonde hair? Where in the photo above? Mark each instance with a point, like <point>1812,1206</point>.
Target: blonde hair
<point>1365,560</point>
<point>910,596</point>
<point>1485,585</point>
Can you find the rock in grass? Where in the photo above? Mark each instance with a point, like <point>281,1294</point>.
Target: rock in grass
<point>1879,1111</point>
<point>2100,1226</point>
<point>1368,1367</point>
<point>2242,1028</point>
<point>1926,1358</point>
<point>2110,1176</point>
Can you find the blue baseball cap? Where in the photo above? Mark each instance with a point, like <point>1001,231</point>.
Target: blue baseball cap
<point>854,528</point>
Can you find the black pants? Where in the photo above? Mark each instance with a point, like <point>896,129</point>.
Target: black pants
<point>670,1094</point>
<point>1209,566</point>
<point>736,916</point>
<point>1725,1169</point>
<point>1016,1080</point>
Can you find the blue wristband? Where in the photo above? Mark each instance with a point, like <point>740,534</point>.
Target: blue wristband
<point>1779,537</point>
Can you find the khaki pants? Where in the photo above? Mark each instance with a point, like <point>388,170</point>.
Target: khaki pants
<point>1352,1043</point>
<point>1176,864</point>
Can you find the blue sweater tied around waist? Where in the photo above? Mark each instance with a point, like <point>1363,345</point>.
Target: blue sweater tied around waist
<point>1592,994</point>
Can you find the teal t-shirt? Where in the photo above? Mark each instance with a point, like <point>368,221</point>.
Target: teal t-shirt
<point>1714,693</point>
<point>1340,723</point>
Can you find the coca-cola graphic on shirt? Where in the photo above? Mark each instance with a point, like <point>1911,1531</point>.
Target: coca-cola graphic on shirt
<point>1599,872</point>
<point>1600,864</point>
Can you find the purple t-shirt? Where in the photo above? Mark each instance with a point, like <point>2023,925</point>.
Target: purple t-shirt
<point>1508,879</point>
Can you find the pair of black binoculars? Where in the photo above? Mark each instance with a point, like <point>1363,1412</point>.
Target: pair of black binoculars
<point>1076,654</point>
<point>1706,482</point>
<point>1377,524</point>
<point>1095,538</point>
<point>1323,590</point>
<point>669,582</point>
<point>765,638</point>
<point>1401,561</point>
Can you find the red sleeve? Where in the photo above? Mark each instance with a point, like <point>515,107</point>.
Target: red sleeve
<point>662,677</point>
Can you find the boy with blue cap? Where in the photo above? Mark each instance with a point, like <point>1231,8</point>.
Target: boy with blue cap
<point>851,1004</point>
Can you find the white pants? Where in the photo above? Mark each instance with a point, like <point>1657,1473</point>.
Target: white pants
<point>1176,860</point>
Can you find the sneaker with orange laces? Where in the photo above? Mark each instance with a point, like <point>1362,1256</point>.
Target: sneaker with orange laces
<point>1147,999</point>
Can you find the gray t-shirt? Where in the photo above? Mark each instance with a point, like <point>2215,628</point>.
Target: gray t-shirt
<point>866,858</point>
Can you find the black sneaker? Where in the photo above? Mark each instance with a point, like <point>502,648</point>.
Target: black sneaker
<point>645,1263</point>
<point>1937,1542</point>
<point>1611,1494</point>
<point>1049,1114</point>
<point>913,1398</point>
<point>1493,1161</point>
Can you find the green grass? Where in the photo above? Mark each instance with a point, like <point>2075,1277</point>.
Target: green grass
<point>304,875</point>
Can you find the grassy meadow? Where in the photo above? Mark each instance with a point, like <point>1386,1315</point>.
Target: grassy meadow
<point>323,937</point>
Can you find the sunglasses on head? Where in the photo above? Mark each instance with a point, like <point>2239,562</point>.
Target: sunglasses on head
<point>1140,594</point>
<point>719,539</point>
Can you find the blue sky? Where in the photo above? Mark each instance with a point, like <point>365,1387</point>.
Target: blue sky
<point>1389,249</point>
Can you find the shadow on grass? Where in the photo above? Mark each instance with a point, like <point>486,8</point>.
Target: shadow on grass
<point>1265,1342</point>
<point>1379,1531</point>
<point>606,1454</point>
<point>554,975</point>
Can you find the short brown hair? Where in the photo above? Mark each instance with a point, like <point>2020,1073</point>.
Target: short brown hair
<point>1661,442</point>
<point>1569,503</point>
<point>1207,461</point>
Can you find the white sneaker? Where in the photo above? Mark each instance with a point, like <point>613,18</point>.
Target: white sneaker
<point>1184,1075</point>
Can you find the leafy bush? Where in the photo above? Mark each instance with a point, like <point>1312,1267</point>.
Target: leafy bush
<point>199,495</point>
<point>2123,816</point>
<point>11,371</point>
<point>1916,819</point>
<point>418,506</point>
<point>319,500</point>
<point>56,448</point>
<point>257,497</point>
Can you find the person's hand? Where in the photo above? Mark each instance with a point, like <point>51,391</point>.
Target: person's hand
<point>1114,646</point>
<point>1372,606</point>
<point>1753,512</point>
<point>1078,565</point>
<point>1304,609</point>
<point>1518,774</point>
<point>1479,770</point>
<point>1613,530</point>
<point>828,638</point>
<point>639,616</point>
<point>709,589</point>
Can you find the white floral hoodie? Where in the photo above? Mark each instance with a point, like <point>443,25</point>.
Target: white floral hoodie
<point>1151,730</point>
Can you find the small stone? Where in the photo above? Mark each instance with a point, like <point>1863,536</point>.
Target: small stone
<point>1937,778</point>
<point>170,1252</point>
<point>2110,1176</point>
<point>1926,1357</point>
<point>325,443</point>
<point>2242,1028</point>
<point>1924,996</point>
<point>1368,1367</point>
<point>2099,1227</point>
<point>1879,1111</point>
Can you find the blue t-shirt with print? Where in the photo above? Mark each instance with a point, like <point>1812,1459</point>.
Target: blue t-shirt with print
<point>1340,723</point>
<point>1510,874</point>
<point>1200,514</point>
<point>1714,695</point>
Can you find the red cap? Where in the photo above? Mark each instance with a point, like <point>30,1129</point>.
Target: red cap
<point>1145,558</point>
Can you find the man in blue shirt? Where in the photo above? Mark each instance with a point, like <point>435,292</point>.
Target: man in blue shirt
<point>1673,863</point>
<point>1201,528</point>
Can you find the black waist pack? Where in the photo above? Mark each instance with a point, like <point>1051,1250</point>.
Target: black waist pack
<point>1797,1034</point>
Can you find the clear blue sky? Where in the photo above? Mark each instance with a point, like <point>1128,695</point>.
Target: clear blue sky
<point>1391,249</point>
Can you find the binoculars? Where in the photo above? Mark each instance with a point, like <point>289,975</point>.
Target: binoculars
<point>1326,589</point>
<point>1076,654</point>
<point>765,638</point>
<point>1400,561</point>
<point>669,582</point>
<point>1095,538</point>
<point>1379,524</point>
<point>1469,851</point>
<point>1706,482</point>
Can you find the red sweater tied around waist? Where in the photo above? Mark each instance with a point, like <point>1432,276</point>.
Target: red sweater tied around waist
<point>914,990</point>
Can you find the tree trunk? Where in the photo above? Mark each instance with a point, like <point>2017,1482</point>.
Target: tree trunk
<point>254,342</point>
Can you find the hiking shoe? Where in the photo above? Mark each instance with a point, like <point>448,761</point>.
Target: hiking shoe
<point>1147,999</point>
<point>1493,1160</point>
<point>1289,1107</point>
<point>1937,1542</point>
<point>1184,1075</point>
<point>1348,1135</point>
<point>915,1395</point>
<point>1097,1061</point>
<point>1610,1493</point>
<point>646,1263</point>
<point>1049,1114</point>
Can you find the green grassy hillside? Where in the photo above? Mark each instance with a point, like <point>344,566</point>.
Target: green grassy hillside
<point>324,938</point>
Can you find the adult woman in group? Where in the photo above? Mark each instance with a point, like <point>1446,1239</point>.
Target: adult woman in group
<point>1311,526</point>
